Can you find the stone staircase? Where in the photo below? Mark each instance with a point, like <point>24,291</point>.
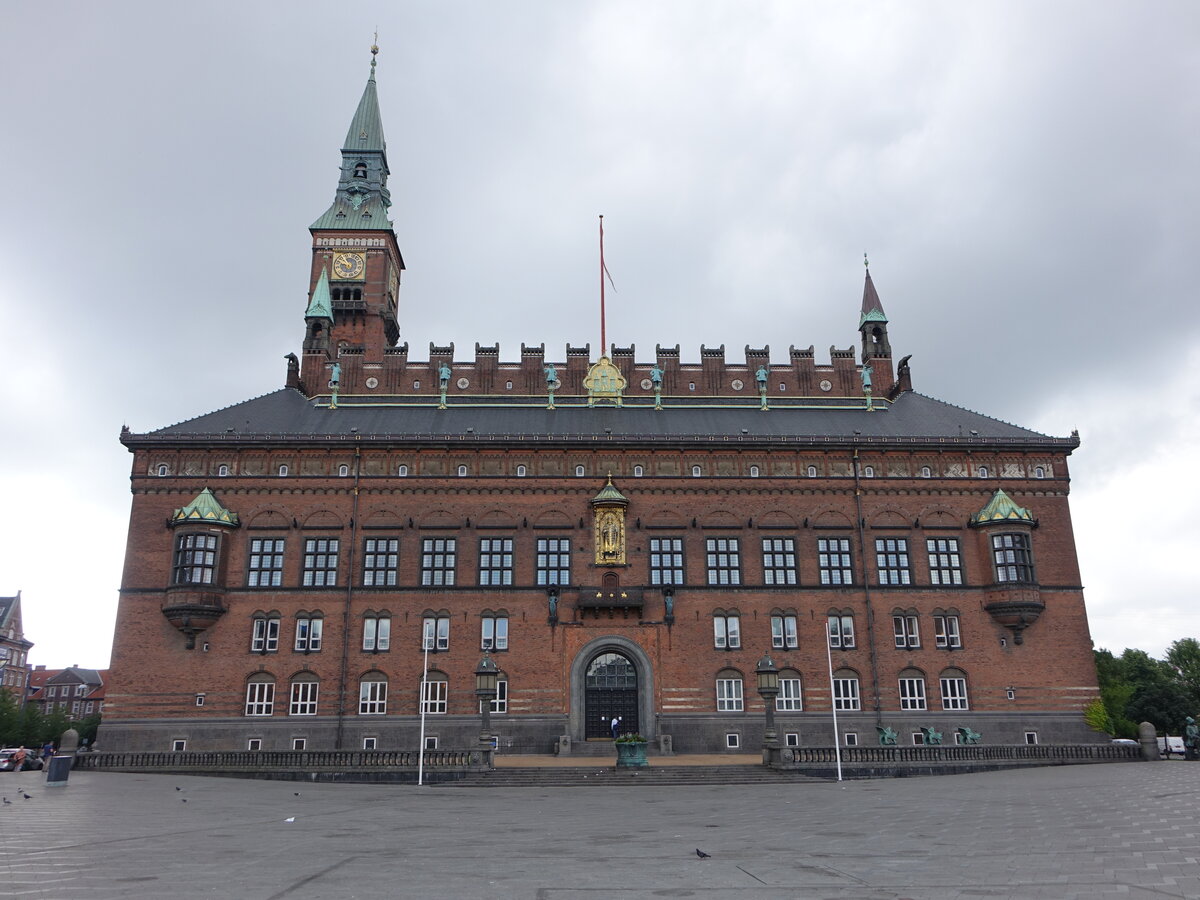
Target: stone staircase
<point>610,776</point>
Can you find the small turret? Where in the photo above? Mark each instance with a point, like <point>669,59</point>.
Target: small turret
<point>872,325</point>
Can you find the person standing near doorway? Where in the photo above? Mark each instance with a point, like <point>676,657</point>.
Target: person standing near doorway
<point>616,726</point>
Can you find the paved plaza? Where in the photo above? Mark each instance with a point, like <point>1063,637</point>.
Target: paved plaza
<point>1119,830</point>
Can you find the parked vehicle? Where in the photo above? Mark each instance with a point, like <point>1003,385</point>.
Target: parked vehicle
<point>31,760</point>
<point>1169,745</point>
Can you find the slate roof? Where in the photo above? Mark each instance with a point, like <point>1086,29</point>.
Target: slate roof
<point>287,415</point>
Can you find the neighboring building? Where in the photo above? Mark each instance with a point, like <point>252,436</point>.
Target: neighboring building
<point>625,538</point>
<point>77,692</point>
<point>14,649</point>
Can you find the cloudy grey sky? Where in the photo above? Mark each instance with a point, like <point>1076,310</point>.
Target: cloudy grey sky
<point>1022,174</point>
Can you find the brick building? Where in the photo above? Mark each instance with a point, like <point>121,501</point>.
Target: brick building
<point>77,692</point>
<point>623,537</point>
<point>14,648</point>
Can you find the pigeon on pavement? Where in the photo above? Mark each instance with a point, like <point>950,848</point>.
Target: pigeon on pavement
<point>700,853</point>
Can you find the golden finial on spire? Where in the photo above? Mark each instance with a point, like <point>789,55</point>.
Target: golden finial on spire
<point>374,51</point>
<point>866,262</point>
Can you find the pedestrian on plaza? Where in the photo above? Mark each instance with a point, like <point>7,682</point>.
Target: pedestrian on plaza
<point>19,758</point>
<point>1191,739</point>
<point>47,752</point>
<point>616,726</point>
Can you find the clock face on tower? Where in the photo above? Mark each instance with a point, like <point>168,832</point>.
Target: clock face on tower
<point>349,266</point>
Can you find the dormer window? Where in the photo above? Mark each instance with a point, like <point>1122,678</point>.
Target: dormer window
<point>360,170</point>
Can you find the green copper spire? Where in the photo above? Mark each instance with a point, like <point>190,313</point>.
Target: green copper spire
<point>872,309</point>
<point>609,494</point>
<point>205,508</point>
<point>321,305</point>
<point>362,198</point>
<point>1001,508</point>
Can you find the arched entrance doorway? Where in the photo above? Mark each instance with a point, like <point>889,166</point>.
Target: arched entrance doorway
<point>610,691</point>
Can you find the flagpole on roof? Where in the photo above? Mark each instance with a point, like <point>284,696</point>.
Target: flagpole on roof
<point>603,341</point>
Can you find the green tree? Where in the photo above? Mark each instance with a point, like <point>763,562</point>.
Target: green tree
<point>10,714</point>
<point>1184,658</point>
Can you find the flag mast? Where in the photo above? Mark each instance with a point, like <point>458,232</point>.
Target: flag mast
<point>603,340</point>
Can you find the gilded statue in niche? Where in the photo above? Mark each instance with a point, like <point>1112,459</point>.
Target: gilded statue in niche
<point>610,536</point>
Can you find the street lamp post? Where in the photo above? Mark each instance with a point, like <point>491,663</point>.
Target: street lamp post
<point>486,677</point>
<point>768,689</point>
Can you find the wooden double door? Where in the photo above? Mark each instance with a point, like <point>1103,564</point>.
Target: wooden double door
<point>610,691</point>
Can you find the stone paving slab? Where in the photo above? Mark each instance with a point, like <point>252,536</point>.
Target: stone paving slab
<point>1121,831</point>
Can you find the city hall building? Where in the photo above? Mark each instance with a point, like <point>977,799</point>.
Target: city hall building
<point>319,566</point>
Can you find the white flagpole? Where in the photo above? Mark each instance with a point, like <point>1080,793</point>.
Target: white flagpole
<point>424,693</point>
<point>837,747</point>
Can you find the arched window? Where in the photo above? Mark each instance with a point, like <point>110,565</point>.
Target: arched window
<point>754,471</point>
<point>343,471</point>
<point>983,471</point>
<point>926,472</point>
<point>372,694</point>
<point>789,699</point>
<point>434,697</point>
<point>283,470</point>
<point>508,385</point>
<point>222,471</point>
<point>579,471</point>
<point>402,470</point>
<point>162,471</point>
<point>462,471</point>
<point>416,385</point>
<point>638,471</point>
<point>304,695</point>
<point>1039,472</point>
<point>260,694</point>
<point>954,689</point>
<point>845,690</point>
<point>729,691</point>
<point>360,171</point>
<point>912,690</point>
<point>521,470</point>
<point>868,471</point>
<point>812,471</point>
<point>695,471</point>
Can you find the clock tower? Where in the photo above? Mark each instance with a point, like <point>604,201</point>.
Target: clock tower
<point>356,260</point>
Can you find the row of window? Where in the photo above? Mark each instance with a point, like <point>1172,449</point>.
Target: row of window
<point>373,694</point>
<point>195,561</point>
<point>283,470</point>
<point>80,690</point>
<point>493,632</point>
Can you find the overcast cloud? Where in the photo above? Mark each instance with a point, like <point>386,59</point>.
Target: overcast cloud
<point>1023,176</point>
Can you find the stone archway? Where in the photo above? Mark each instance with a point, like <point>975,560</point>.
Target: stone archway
<point>644,679</point>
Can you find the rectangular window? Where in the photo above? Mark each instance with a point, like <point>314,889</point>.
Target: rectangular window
<point>779,561</point>
<point>434,699</point>
<point>727,632</point>
<point>381,559</point>
<point>266,636</point>
<point>81,690</point>
<point>372,698</point>
<point>178,746</point>
<point>724,561</point>
<point>912,693</point>
<point>495,561</point>
<point>260,698</point>
<point>833,561</point>
<point>377,633</point>
<point>841,632</point>
<point>308,634</point>
<point>90,706</point>
<point>299,743</point>
<point>499,703</point>
<point>52,691</point>
<point>845,693</point>
<point>905,630</point>
<point>195,558</point>
<point>729,695</point>
<point>789,696</point>
<point>254,744</point>
<point>791,739</point>
<point>438,558</point>
<point>266,562</point>
<point>494,633</point>
<point>1031,737</point>
<point>783,632</point>
<point>304,698</point>
<point>945,563</point>
<point>435,634</point>
<point>431,742</point>
<point>851,738</point>
<point>891,558</point>
<point>369,743</point>
<point>946,631</point>
<point>554,561</point>
<point>320,562</point>
<point>1013,560</point>
<point>733,740</point>
<point>954,693</point>
<point>666,560</point>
